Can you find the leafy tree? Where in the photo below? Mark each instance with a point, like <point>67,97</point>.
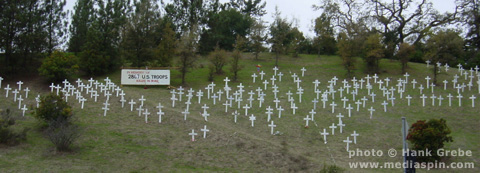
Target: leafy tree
<point>444,47</point>
<point>253,8</point>
<point>374,51</point>
<point>296,38</point>
<point>400,20</point>
<point>325,40</point>
<point>469,11</point>
<point>257,37</point>
<point>346,52</point>
<point>186,50</point>
<point>52,108</point>
<point>58,66</point>
<point>187,13</point>
<point>218,58</point>
<point>139,42</point>
<point>22,35</point>
<point>429,135</point>
<point>404,54</point>
<point>166,49</point>
<point>279,30</point>
<point>237,56</point>
<point>55,24</point>
<point>82,19</point>
<point>222,28</point>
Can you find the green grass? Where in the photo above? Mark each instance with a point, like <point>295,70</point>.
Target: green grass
<point>123,142</point>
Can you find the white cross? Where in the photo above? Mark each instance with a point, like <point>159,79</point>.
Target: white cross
<point>275,70</point>
<point>354,134</point>
<point>24,109</point>
<point>252,119</point>
<point>15,92</point>
<point>83,101</point>
<point>271,125</point>
<point>226,80</point>
<point>261,75</point>
<point>348,141</point>
<point>246,107</point>
<point>324,134</point>
<point>140,109</point>
<point>449,99</point>
<point>185,113</point>
<point>26,92</point>
<point>254,75</point>
<point>459,100</point>
<point>280,74</point>
<point>307,119</point>
<point>303,71</point>
<point>235,114</point>
<point>105,109</point>
<point>205,115</point>
<point>473,100</point>
<point>146,113</point>
<point>160,113</point>
<point>371,112</point>
<point>333,104</point>
<point>428,81</point>
<point>349,108</point>
<point>333,127</point>
<point>226,104</point>
<point>193,134</point>
<point>280,109</point>
<point>204,130</point>
<point>433,97</point>
<point>385,106</point>
<point>141,100</point>
<point>341,125</point>
<point>265,83</point>
<point>7,90</point>
<point>19,83</point>
<point>423,97</point>
<point>294,107</point>
<point>440,98</point>
<point>199,95</point>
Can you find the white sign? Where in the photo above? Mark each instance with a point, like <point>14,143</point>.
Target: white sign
<point>145,77</point>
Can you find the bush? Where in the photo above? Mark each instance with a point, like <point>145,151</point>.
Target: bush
<point>52,108</point>
<point>7,135</point>
<point>58,66</point>
<point>429,135</point>
<point>62,133</point>
<point>218,58</point>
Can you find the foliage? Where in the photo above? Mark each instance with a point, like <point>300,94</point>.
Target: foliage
<point>140,37</point>
<point>7,134</point>
<point>166,49</point>
<point>82,18</point>
<point>218,58</point>
<point>404,54</point>
<point>222,29</point>
<point>186,13</point>
<point>53,108</point>
<point>56,23</point>
<point>345,50</point>
<point>186,51</point>
<point>374,51</point>
<point>62,133</point>
<point>278,35</point>
<point>324,42</point>
<point>59,66</point>
<point>94,61</point>
<point>296,38</point>
<point>429,135</point>
<point>445,47</point>
<point>236,57</point>
<point>257,37</point>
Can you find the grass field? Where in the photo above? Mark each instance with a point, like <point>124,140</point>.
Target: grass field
<point>123,142</point>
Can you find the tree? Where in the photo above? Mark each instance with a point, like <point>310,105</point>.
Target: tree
<point>403,20</point>
<point>278,35</point>
<point>218,58</point>
<point>82,19</point>
<point>222,29</point>
<point>469,11</point>
<point>55,24</point>
<point>404,54</point>
<point>429,135</point>
<point>345,50</point>
<point>166,49</point>
<point>325,41</point>
<point>254,8</point>
<point>296,38</point>
<point>186,13</point>
<point>186,50</point>
<point>444,47</point>
<point>58,66</point>
<point>374,51</point>
<point>139,41</point>
<point>257,37</point>
<point>237,56</point>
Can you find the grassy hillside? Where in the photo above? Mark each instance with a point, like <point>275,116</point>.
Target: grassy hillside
<point>123,142</point>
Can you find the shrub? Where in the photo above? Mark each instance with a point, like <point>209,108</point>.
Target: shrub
<point>429,135</point>
<point>7,135</point>
<point>52,108</point>
<point>218,58</point>
<point>62,133</point>
<point>58,66</point>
